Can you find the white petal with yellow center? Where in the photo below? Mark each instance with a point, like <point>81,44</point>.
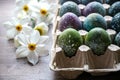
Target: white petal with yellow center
<point>19,27</point>
<point>43,11</point>
<point>26,31</point>
<point>31,46</point>
<point>25,8</point>
<point>42,28</point>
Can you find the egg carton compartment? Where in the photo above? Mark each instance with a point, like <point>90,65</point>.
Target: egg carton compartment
<point>84,60</point>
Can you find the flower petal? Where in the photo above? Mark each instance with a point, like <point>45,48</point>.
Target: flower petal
<point>11,33</point>
<point>22,52</point>
<point>8,25</point>
<point>14,21</point>
<point>25,19</point>
<point>22,39</point>
<point>20,3</point>
<point>16,42</point>
<point>43,27</point>
<point>27,30</point>
<point>32,58</point>
<point>34,37</point>
<point>41,50</point>
<point>49,19</point>
<point>52,8</point>
<point>43,39</point>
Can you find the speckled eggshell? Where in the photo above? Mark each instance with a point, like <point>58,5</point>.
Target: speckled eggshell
<point>69,20</point>
<point>111,1</point>
<point>69,40</point>
<point>69,6</point>
<point>115,23</point>
<point>76,1</point>
<point>94,7</point>
<point>114,8</point>
<point>85,2</point>
<point>117,39</point>
<point>98,40</point>
<point>94,20</point>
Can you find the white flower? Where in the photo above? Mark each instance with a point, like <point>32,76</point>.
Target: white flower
<point>42,28</point>
<point>24,7</point>
<point>32,46</point>
<point>44,12</point>
<point>27,31</point>
<point>15,26</point>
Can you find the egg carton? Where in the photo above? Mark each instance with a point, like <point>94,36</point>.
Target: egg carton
<point>84,60</point>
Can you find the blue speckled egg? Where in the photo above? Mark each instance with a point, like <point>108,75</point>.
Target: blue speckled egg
<point>69,6</point>
<point>117,39</point>
<point>115,23</point>
<point>94,20</point>
<point>114,9</point>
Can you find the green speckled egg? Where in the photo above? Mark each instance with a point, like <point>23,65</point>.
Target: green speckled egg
<point>98,40</point>
<point>69,40</point>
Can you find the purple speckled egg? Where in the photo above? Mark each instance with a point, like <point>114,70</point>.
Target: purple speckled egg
<point>69,20</point>
<point>94,7</point>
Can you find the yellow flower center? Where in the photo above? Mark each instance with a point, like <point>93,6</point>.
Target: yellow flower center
<point>40,29</point>
<point>43,11</point>
<point>32,46</point>
<point>19,27</point>
<point>25,8</point>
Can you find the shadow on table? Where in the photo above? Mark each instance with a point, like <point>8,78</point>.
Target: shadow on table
<point>87,76</point>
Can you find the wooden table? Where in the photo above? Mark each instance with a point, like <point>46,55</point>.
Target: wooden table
<point>19,69</point>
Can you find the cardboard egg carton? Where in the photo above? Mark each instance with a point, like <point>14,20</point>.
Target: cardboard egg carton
<point>84,60</point>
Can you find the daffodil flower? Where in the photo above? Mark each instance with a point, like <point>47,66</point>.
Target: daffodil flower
<point>32,46</point>
<point>42,28</point>
<point>15,26</point>
<point>44,12</point>
<point>24,7</point>
<point>26,31</point>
